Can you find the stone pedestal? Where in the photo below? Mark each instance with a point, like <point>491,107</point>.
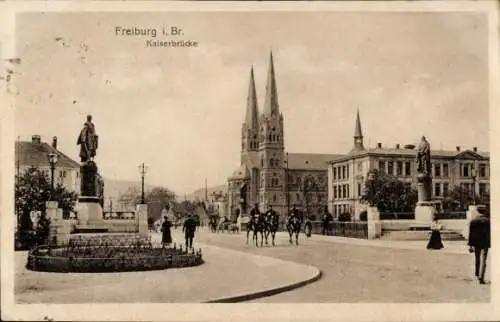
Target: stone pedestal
<point>88,172</point>
<point>141,217</point>
<point>424,213</point>
<point>373,221</point>
<point>424,188</point>
<point>60,230</point>
<point>89,211</point>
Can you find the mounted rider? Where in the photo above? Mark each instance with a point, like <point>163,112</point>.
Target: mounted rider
<point>255,213</point>
<point>271,216</point>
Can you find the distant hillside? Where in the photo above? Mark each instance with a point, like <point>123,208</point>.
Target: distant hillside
<point>200,193</point>
<point>114,188</point>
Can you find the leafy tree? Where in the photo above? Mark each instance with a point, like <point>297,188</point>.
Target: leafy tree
<point>33,189</point>
<point>389,194</point>
<point>458,198</point>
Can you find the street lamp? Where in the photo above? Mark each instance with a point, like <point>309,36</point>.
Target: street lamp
<point>286,186</point>
<point>52,157</point>
<point>474,176</point>
<point>142,169</point>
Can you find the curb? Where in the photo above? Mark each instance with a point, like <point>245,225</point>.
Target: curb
<point>268,292</point>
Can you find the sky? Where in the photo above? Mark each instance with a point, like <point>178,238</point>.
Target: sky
<point>180,110</point>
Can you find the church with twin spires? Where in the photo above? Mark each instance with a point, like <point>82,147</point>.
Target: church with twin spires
<point>269,175</point>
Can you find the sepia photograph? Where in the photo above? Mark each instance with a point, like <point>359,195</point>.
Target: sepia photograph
<point>261,154</point>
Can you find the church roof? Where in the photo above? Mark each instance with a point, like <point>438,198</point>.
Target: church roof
<point>310,161</point>
<point>241,173</point>
<point>35,154</point>
<point>252,108</point>
<point>271,106</point>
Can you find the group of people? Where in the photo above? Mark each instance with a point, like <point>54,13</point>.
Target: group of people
<point>189,228</point>
<point>479,240</point>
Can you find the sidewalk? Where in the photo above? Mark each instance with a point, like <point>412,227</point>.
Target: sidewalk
<point>452,247</point>
<point>226,276</point>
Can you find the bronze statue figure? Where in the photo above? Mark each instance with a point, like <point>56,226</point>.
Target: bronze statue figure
<point>424,157</point>
<point>87,140</point>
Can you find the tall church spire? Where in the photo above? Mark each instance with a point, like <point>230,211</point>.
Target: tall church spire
<point>271,106</point>
<point>252,113</point>
<point>358,134</point>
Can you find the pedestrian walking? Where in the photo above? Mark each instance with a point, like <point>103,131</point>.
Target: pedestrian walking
<point>166,237</point>
<point>480,242</point>
<point>435,240</point>
<point>189,228</point>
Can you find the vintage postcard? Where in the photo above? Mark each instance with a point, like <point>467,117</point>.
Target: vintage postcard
<point>198,161</point>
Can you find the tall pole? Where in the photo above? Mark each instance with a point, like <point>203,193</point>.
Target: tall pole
<point>206,190</point>
<point>286,187</point>
<point>143,170</point>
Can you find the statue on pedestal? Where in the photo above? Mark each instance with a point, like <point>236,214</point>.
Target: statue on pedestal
<point>90,179</point>
<point>424,177</point>
<point>424,158</point>
<point>88,141</point>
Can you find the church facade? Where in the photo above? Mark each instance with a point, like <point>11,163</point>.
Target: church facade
<point>268,175</point>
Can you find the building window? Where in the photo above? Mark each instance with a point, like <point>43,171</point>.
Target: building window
<point>343,191</point>
<point>359,189</point>
<point>360,166</point>
<point>343,172</point>
<point>347,171</point>
<point>437,189</point>
<point>347,188</point>
<point>334,173</point>
<point>381,166</point>
<point>445,189</point>
<point>390,167</point>
<point>399,168</point>
<point>466,170</point>
<point>334,192</point>
<point>445,170</point>
<point>407,169</point>
<point>437,169</point>
<point>482,170</point>
<point>482,189</point>
<point>274,198</point>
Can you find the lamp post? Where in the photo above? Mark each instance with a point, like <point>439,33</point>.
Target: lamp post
<point>286,186</point>
<point>52,157</point>
<point>474,176</point>
<point>142,170</point>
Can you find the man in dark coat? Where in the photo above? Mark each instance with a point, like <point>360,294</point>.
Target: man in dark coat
<point>189,228</point>
<point>480,242</point>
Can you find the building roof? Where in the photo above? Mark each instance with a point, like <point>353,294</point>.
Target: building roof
<point>271,106</point>
<point>411,152</point>
<point>241,173</point>
<point>251,120</point>
<point>310,161</point>
<point>35,154</point>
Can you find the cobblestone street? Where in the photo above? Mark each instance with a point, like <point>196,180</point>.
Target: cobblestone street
<point>355,273</point>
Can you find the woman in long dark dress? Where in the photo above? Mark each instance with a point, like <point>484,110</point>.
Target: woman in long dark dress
<point>435,240</point>
<point>166,235</point>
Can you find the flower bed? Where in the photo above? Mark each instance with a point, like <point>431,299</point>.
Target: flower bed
<point>97,254</point>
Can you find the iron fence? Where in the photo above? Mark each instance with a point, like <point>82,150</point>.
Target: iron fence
<point>350,229</point>
<point>110,253</point>
<point>397,215</point>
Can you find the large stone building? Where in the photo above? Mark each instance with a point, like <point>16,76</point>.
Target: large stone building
<point>267,174</point>
<point>347,174</point>
<point>34,154</point>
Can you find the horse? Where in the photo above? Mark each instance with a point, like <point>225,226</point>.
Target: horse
<point>293,226</point>
<point>272,225</point>
<point>250,225</point>
<point>259,226</point>
<point>213,224</point>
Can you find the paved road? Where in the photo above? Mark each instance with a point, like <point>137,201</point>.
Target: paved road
<point>354,273</point>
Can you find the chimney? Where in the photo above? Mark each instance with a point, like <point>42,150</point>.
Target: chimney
<point>458,148</point>
<point>475,149</point>
<point>379,145</point>
<point>35,139</point>
<point>54,142</point>
<point>397,146</point>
